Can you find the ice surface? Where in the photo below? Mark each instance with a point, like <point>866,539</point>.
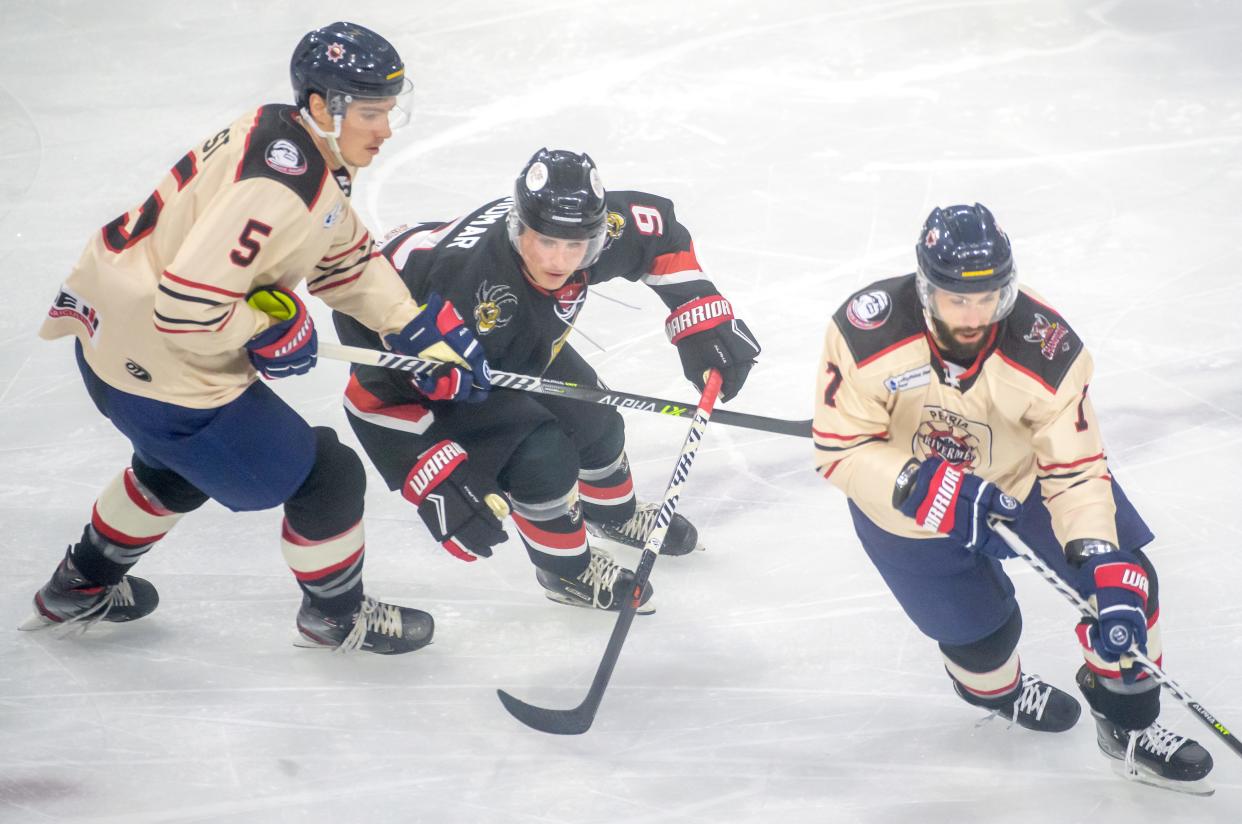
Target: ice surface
<point>803,143</point>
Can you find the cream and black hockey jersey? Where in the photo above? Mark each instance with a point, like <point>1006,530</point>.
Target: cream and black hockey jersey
<point>157,299</point>
<point>1019,413</point>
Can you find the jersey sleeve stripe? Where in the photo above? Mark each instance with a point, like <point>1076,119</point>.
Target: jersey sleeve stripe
<point>188,322</point>
<point>317,289</point>
<point>836,437</point>
<point>366,236</point>
<point>205,287</point>
<point>1079,462</point>
<point>189,298</point>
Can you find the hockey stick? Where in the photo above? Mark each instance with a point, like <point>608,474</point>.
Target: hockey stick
<point>1050,575</point>
<point>578,720</point>
<point>590,394</point>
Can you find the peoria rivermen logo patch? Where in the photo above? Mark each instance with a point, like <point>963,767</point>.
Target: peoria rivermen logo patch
<point>869,310</point>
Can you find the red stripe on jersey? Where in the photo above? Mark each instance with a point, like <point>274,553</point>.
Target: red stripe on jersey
<point>322,180</point>
<point>116,535</point>
<point>193,284</point>
<point>836,437</point>
<point>912,339</point>
<point>329,258</point>
<point>184,178</point>
<point>832,467</point>
<point>607,493</point>
<point>246,148</point>
<point>341,282</point>
<point>1071,465</point>
<point>675,263</point>
<point>555,540</point>
<point>140,500</point>
<point>364,401</point>
<point>1019,367</point>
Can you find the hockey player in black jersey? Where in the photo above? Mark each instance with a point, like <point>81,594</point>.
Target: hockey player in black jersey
<point>519,269</point>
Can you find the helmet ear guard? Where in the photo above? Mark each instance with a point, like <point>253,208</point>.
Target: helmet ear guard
<point>961,249</point>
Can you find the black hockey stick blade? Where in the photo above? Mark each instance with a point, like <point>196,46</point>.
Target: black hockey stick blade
<point>556,722</point>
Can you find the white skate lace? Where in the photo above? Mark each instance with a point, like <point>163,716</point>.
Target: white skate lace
<point>601,573</point>
<point>375,616</point>
<point>638,527</point>
<point>1156,740</point>
<point>116,595</point>
<point>1033,700</point>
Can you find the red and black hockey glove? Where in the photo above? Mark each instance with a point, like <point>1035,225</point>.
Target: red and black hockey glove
<point>955,503</point>
<point>453,505</point>
<point>438,333</point>
<point>288,347</point>
<point>707,336</point>
<point>1120,586</point>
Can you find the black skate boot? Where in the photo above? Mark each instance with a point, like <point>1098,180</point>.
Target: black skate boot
<point>682,538</point>
<point>377,627</point>
<point>1143,750</point>
<point>69,598</point>
<point>602,585</point>
<point>1035,705</point>
<point>1156,756</point>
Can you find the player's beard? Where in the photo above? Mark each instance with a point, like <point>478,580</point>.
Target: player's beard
<point>954,349</point>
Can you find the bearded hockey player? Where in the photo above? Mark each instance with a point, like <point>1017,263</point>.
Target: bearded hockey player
<point>950,396</point>
<point>179,305</point>
<point>520,268</point>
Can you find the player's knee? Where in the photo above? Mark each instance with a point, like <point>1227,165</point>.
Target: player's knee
<point>330,500</point>
<point>607,442</point>
<point>990,652</point>
<point>174,492</point>
<point>543,467</point>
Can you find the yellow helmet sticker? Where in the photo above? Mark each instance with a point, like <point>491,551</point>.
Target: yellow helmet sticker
<point>979,273</point>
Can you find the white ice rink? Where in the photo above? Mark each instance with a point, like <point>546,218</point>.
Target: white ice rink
<point>778,683</point>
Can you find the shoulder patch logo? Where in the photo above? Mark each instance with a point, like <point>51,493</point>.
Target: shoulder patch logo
<point>330,219</point>
<point>489,303</point>
<point>285,157</point>
<point>1050,335</point>
<point>869,310</point>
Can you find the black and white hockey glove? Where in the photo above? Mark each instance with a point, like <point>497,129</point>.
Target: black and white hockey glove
<point>707,336</point>
<point>460,514</point>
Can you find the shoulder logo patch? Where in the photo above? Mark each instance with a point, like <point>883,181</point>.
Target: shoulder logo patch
<point>869,310</point>
<point>1050,335</point>
<point>285,157</point>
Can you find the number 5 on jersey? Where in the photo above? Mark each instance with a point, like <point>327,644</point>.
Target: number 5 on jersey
<point>250,244</point>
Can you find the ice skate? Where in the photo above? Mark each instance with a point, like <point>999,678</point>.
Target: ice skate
<point>376,627</point>
<point>1038,706</point>
<point>70,599</point>
<point>682,537</point>
<point>602,585</point>
<point>1156,756</point>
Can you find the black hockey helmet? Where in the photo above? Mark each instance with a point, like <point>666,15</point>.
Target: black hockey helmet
<point>962,250</point>
<point>343,62</point>
<point>559,194</point>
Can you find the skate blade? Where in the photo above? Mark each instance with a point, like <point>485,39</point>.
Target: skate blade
<point>35,621</point>
<point>645,609</point>
<point>1202,787</point>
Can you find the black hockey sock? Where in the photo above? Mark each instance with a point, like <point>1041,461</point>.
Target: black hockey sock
<point>1129,706</point>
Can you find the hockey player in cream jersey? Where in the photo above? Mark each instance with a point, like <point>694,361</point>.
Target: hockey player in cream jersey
<point>950,396</point>
<point>179,304</point>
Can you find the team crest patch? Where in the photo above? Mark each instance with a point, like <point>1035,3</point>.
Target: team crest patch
<point>869,310</point>
<point>69,305</point>
<point>958,440</point>
<point>489,303</point>
<point>615,224</point>
<point>1050,335</point>
<point>285,158</point>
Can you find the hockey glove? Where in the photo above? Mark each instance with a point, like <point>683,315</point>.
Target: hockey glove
<point>707,337</point>
<point>1119,583</point>
<point>437,333</point>
<point>465,522</point>
<point>955,503</point>
<point>288,347</point>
